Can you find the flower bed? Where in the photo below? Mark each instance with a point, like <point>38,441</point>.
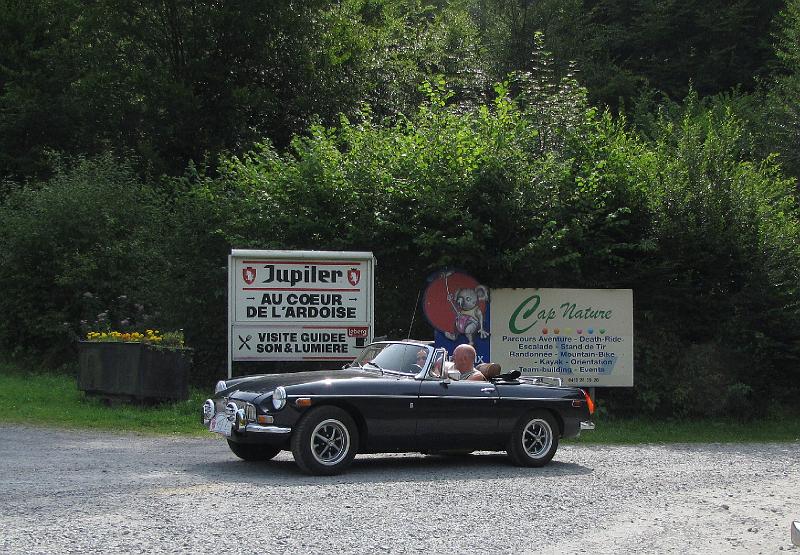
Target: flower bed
<point>143,367</point>
<point>152,337</point>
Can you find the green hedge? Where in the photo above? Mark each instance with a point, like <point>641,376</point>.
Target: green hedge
<point>535,189</point>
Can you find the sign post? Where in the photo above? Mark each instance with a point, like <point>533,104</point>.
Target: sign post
<point>299,305</point>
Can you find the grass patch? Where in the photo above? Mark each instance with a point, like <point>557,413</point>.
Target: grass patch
<point>54,400</point>
<point>728,430</point>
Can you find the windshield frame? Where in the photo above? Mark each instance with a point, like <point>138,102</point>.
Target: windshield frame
<point>439,354</point>
<point>372,354</point>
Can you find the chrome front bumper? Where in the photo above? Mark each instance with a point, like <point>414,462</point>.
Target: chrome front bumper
<point>259,429</point>
<point>239,417</point>
<point>588,425</point>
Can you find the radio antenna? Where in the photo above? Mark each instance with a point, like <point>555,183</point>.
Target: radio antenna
<point>414,314</point>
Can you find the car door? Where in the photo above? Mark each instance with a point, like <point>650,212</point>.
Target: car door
<point>456,414</point>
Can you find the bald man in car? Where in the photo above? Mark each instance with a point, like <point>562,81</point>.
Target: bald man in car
<point>464,361</point>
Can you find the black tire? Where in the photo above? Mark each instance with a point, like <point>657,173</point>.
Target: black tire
<point>253,451</point>
<point>534,440</point>
<point>325,441</point>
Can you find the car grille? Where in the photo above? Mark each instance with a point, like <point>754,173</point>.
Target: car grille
<point>249,408</point>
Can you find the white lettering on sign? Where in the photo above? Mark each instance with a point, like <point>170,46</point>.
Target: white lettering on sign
<point>358,332</point>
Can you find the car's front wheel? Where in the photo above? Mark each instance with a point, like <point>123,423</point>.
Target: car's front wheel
<point>253,451</point>
<point>325,441</point>
<point>534,440</point>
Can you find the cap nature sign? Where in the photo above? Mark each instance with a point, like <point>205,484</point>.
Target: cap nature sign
<point>583,336</point>
<point>299,305</point>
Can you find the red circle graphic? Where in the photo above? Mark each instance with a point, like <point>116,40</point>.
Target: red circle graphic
<point>437,308</point>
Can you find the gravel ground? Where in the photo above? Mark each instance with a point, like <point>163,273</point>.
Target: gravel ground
<point>77,491</point>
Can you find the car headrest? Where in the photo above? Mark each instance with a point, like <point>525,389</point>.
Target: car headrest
<point>489,369</point>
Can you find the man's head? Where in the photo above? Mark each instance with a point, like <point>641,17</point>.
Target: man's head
<point>464,358</point>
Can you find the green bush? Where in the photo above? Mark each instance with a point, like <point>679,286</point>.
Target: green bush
<point>78,251</point>
<point>535,189</point>
<point>718,316</point>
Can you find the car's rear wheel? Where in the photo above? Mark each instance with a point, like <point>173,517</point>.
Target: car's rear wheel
<point>325,441</point>
<point>253,451</point>
<point>534,440</point>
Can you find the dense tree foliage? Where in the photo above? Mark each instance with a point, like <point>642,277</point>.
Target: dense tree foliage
<point>171,82</point>
<point>781,122</point>
<point>535,187</point>
<point>176,81</point>
<point>714,44</point>
<point>571,143</point>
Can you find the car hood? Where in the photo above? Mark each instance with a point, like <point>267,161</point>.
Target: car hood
<point>265,383</point>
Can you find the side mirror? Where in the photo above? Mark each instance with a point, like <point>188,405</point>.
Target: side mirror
<point>454,374</point>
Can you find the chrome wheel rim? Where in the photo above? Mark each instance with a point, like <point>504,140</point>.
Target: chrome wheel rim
<point>330,442</point>
<point>537,438</point>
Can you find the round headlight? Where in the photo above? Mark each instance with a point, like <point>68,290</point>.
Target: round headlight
<point>208,410</point>
<point>279,398</point>
<point>221,385</point>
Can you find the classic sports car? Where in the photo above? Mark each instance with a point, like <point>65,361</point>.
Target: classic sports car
<point>397,396</point>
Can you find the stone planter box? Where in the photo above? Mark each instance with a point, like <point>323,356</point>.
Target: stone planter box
<point>133,371</point>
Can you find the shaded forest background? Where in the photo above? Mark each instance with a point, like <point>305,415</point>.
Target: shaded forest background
<point>641,144</point>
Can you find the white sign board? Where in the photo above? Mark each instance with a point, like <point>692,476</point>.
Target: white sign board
<point>583,336</point>
<point>299,305</point>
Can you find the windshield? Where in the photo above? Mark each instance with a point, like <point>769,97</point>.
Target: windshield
<point>408,358</point>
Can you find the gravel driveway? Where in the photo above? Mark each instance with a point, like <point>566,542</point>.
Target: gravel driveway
<point>66,491</point>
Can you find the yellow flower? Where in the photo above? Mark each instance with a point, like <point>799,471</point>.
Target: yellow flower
<point>171,339</point>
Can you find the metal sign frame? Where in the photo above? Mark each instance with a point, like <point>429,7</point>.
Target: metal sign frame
<point>307,269</point>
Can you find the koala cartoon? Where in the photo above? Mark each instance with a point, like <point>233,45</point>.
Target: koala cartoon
<point>469,316</point>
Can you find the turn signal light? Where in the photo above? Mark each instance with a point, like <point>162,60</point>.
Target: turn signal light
<point>589,401</point>
<point>303,402</point>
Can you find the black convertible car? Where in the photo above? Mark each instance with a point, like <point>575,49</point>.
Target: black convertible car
<point>397,396</point>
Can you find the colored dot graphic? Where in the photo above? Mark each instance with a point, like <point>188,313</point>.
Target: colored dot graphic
<point>569,331</point>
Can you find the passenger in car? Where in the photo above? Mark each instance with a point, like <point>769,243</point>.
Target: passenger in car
<point>416,363</point>
<point>464,362</point>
